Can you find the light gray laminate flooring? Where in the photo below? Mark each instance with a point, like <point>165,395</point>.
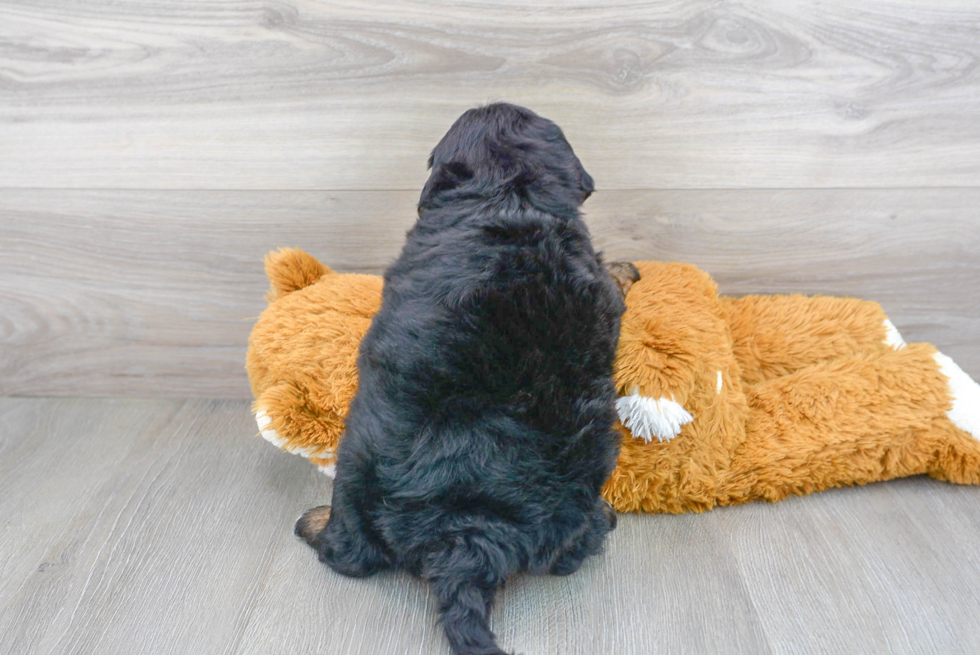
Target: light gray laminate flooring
<point>164,526</point>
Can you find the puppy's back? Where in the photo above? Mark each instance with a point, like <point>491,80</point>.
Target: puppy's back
<point>491,358</point>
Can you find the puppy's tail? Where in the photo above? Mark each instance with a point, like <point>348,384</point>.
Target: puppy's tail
<point>291,269</point>
<point>464,581</point>
<point>465,609</point>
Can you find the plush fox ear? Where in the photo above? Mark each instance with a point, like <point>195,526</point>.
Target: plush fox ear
<point>291,269</point>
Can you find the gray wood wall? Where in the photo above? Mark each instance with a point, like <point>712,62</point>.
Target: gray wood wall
<point>150,154</point>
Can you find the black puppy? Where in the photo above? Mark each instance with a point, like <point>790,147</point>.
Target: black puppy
<point>482,429</point>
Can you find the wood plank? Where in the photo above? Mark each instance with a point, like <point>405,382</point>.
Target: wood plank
<point>351,95</point>
<point>664,584</point>
<point>172,534</point>
<point>914,251</point>
<point>153,293</point>
<point>884,568</point>
<point>637,597</point>
<point>51,452</point>
<point>170,549</point>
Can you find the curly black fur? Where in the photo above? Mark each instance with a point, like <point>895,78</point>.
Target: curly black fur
<point>482,430</point>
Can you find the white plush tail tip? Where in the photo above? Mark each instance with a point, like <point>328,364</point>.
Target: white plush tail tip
<point>648,417</point>
<point>893,337</point>
<point>965,394</point>
<point>269,434</point>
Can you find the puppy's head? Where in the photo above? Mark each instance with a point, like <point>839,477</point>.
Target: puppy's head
<point>502,150</point>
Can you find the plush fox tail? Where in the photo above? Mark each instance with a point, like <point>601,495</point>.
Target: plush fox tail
<point>291,269</point>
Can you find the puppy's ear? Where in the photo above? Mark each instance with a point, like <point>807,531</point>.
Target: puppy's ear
<point>445,177</point>
<point>458,171</point>
<point>587,185</point>
<point>449,176</point>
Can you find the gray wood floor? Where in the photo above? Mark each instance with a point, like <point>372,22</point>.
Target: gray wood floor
<point>173,535</point>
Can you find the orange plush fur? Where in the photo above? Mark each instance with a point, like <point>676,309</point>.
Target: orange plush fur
<point>723,400</point>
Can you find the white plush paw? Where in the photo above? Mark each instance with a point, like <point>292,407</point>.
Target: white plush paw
<point>649,417</point>
<point>893,337</point>
<point>329,470</point>
<point>269,434</point>
<point>965,393</point>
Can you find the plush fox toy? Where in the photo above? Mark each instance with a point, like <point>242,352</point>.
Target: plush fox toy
<point>722,400</point>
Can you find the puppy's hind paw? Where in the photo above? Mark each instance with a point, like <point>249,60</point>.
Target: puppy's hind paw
<point>610,513</point>
<point>312,523</point>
